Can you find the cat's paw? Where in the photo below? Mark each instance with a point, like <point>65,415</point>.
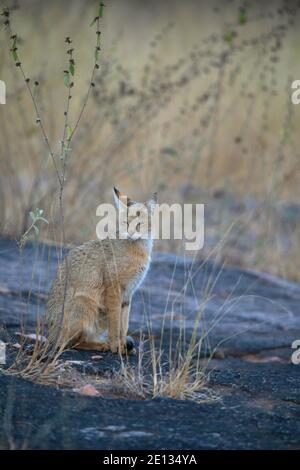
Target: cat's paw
<point>117,347</point>
<point>123,348</point>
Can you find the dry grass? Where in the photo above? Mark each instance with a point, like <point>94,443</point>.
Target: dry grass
<point>177,375</point>
<point>180,379</point>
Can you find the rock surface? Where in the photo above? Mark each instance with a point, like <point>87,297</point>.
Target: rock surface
<point>251,318</point>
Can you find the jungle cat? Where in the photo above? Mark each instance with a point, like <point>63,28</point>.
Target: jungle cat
<point>90,298</point>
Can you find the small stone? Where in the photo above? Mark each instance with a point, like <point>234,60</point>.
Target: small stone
<point>88,390</point>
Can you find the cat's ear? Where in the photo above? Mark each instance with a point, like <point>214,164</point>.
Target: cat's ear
<point>121,200</point>
<point>152,201</point>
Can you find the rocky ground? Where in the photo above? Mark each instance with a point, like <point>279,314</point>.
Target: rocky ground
<point>251,318</point>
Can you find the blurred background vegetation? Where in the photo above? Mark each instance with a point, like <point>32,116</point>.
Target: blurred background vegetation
<point>192,99</point>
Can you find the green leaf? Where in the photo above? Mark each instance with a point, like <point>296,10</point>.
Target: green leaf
<point>229,36</point>
<point>72,69</point>
<point>67,80</point>
<point>44,220</point>
<point>14,54</point>
<point>32,215</point>
<point>14,48</point>
<point>169,151</point>
<point>242,17</point>
<point>69,132</point>
<point>94,21</point>
<point>36,230</point>
<point>96,54</point>
<point>101,10</point>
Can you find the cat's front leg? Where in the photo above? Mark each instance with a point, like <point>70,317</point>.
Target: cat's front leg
<point>125,311</point>
<point>113,301</point>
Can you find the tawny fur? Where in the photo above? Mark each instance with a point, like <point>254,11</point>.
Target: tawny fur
<point>89,302</point>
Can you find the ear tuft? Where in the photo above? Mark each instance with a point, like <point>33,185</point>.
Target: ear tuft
<point>120,199</point>
<point>117,192</point>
